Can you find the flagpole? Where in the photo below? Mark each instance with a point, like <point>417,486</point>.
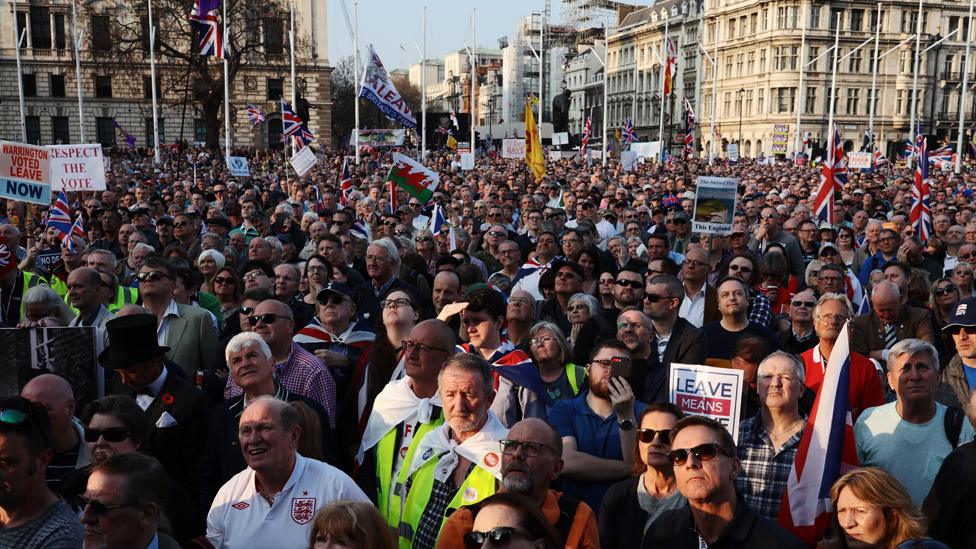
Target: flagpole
<point>19,37</point>
<point>711,142</point>
<point>606,78</point>
<point>355,63</point>
<point>833,99</point>
<point>423,91</point>
<point>473,83</point>
<point>542,65</point>
<point>291,53</point>
<point>76,37</point>
<point>152,72</point>
<point>664,68</point>
<point>962,93</point>
<point>799,88</point>
<point>874,85</point>
<point>918,45</point>
<point>226,87</point>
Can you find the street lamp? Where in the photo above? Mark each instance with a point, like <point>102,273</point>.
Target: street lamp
<point>740,92</point>
<point>491,114</point>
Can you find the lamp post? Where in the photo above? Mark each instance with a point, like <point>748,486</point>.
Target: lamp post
<point>491,114</point>
<point>740,93</point>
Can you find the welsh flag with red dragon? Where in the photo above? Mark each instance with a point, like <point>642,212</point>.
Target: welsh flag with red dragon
<point>413,177</point>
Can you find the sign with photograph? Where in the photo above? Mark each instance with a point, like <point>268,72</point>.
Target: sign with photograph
<point>238,166</point>
<point>513,148</point>
<point>708,391</point>
<point>67,352</point>
<point>859,160</point>
<point>715,199</point>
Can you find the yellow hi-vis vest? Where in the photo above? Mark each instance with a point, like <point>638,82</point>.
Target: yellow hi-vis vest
<point>123,296</point>
<point>477,486</point>
<point>389,504</point>
<point>574,382</point>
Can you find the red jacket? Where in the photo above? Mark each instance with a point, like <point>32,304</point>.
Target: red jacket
<point>865,389</point>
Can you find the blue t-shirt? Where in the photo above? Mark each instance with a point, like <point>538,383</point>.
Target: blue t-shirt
<point>970,376</point>
<point>594,435</point>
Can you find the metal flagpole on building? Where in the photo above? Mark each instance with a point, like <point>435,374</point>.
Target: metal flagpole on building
<point>711,142</point>
<point>833,94</point>
<point>19,37</point>
<point>798,142</point>
<point>355,64</point>
<point>542,72</point>
<point>423,91</point>
<point>874,86</point>
<point>664,68</point>
<point>962,92</point>
<point>76,36</point>
<point>474,83</point>
<point>291,53</point>
<point>918,45</point>
<point>226,88</point>
<point>152,72</point>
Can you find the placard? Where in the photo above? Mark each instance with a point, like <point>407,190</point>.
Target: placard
<point>77,167</point>
<point>781,135</point>
<point>628,159</point>
<point>47,259</point>
<point>715,199</point>
<point>708,391</point>
<point>67,352</point>
<point>238,166</point>
<point>303,161</point>
<point>35,193</point>
<point>733,152</point>
<point>27,163</point>
<point>467,161</point>
<point>859,160</point>
<point>513,148</point>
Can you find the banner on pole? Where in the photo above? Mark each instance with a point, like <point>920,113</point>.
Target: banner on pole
<point>378,88</point>
<point>378,138</point>
<point>714,204</point>
<point>708,391</point>
<point>238,166</point>
<point>77,167</point>
<point>857,160</point>
<point>303,161</point>
<point>513,148</point>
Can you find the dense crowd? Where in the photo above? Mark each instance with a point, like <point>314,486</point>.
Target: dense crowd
<point>316,362</point>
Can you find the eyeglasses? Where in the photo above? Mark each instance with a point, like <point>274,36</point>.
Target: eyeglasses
<point>693,263</point>
<point>151,276</point>
<point>569,275</point>
<point>99,509</point>
<point>740,269</point>
<point>945,290</point>
<point>317,269</point>
<point>507,252</point>
<point>647,436</point>
<point>807,304</point>
<point>224,280</point>
<point>113,434</point>
<point>180,224</point>
<point>246,311</point>
<point>496,537</point>
<point>607,281</point>
<point>252,275</point>
<point>422,239</point>
<point>401,233</point>
<point>607,363</point>
<point>540,341</point>
<point>635,284</point>
<point>530,449</point>
<point>702,452</point>
<point>266,318</point>
<point>395,303</point>
<point>654,298</point>
<point>408,346</point>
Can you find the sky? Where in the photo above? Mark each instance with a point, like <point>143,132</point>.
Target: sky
<point>394,26</point>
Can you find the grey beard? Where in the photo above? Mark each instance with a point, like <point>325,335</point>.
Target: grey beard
<point>516,485</point>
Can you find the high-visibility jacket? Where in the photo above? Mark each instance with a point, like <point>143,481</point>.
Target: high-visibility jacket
<point>124,295</point>
<point>478,485</point>
<point>389,504</point>
<point>573,377</point>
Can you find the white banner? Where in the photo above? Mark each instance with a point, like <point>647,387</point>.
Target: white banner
<point>859,160</point>
<point>513,148</point>
<point>733,152</point>
<point>708,391</point>
<point>238,166</point>
<point>645,150</point>
<point>714,204</point>
<point>467,161</point>
<point>77,167</point>
<point>303,161</point>
<point>380,91</point>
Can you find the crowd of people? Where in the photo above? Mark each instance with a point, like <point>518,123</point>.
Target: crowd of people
<point>316,362</point>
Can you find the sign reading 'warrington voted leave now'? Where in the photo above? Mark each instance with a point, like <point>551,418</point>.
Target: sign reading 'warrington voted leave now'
<point>708,391</point>
<point>25,173</point>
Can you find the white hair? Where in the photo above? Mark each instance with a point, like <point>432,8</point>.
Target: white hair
<point>112,259</point>
<point>56,307</point>
<point>274,243</point>
<point>143,246</point>
<point>310,217</point>
<point>218,258</point>
<point>799,372</point>
<point>390,247</point>
<point>910,347</point>
<point>247,340</point>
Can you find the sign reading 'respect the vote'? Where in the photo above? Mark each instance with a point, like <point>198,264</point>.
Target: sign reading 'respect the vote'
<point>25,173</point>
<point>708,391</point>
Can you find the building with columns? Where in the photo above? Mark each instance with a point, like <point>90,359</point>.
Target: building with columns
<point>115,72</point>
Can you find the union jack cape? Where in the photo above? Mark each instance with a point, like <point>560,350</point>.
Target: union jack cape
<point>920,216</point>
<point>514,365</point>
<point>833,177</point>
<point>203,20</point>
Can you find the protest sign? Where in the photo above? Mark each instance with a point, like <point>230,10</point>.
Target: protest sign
<point>513,148</point>
<point>67,352</point>
<point>467,161</point>
<point>25,173</point>
<point>781,134</point>
<point>714,204</point>
<point>303,161</point>
<point>77,167</point>
<point>708,391</point>
<point>238,166</point>
<point>47,259</point>
<point>733,152</point>
<point>859,160</point>
<point>378,138</point>
<point>628,159</point>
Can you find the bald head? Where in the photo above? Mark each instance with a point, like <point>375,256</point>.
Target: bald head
<point>129,310</point>
<point>51,385</point>
<point>85,275</point>
<point>886,301</point>
<point>434,333</point>
<point>885,291</point>
<point>536,430</point>
<point>55,394</point>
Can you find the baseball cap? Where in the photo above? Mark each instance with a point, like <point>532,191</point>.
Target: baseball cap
<point>335,288</point>
<point>964,316</point>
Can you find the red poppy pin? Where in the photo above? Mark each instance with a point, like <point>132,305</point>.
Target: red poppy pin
<point>167,398</point>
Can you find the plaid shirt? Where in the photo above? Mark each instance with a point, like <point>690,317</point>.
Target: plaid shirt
<point>304,374</point>
<point>429,526</point>
<point>760,311</point>
<point>762,478</point>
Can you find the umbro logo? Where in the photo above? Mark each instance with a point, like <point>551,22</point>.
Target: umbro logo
<point>241,505</point>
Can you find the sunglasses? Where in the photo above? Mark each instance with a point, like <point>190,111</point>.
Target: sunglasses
<point>224,280</point>
<point>739,269</point>
<point>99,509</point>
<point>246,311</point>
<point>946,290</point>
<point>566,275</point>
<point>113,434</point>
<point>807,304</point>
<point>647,435</point>
<point>530,449</point>
<point>12,417</point>
<point>702,452</point>
<point>151,276</point>
<point>181,224</point>
<point>654,298</point>
<point>421,239</point>
<point>635,284</point>
<point>495,233</point>
<point>267,318</point>
<point>496,537</point>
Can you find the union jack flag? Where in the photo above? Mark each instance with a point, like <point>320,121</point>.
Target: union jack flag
<point>920,216</point>
<point>833,177</point>
<point>254,114</point>
<point>78,228</point>
<point>345,183</point>
<point>291,123</point>
<point>59,218</point>
<point>908,149</point>
<point>879,158</point>
<point>203,19</point>
<point>942,155</point>
<point>302,138</point>
<point>689,129</point>
<point>629,134</point>
<point>586,134</point>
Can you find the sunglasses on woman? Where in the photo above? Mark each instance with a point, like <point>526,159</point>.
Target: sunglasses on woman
<point>112,434</point>
<point>945,290</point>
<point>496,537</point>
<point>702,452</point>
<point>647,436</point>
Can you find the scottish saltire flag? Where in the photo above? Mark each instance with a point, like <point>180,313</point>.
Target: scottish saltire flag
<point>254,114</point>
<point>833,177</point>
<point>130,139</point>
<point>826,450</point>
<point>345,183</point>
<point>513,365</point>
<point>291,124</point>
<point>629,133</point>
<point>203,19</point>
<point>920,215</point>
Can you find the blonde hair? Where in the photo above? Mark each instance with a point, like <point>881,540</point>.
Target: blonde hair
<point>903,520</point>
<point>358,522</point>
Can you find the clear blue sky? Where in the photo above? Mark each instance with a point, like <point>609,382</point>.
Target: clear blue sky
<point>393,26</point>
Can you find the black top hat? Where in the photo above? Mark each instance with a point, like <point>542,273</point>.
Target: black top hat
<point>132,339</point>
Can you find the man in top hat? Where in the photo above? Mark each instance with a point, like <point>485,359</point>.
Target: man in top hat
<point>177,411</point>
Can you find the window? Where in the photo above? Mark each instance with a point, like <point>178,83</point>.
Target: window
<point>33,129</point>
<point>782,17</point>
<point>103,86</point>
<point>811,105</point>
<point>814,16</point>
<point>59,36</point>
<point>728,104</point>
<point>101,33</point>
<point>874,20</point>
<point>950,74</point>
<point>753,23</point>
<point>147,88</point>
<point>105,131</point>
<point>814,53</point>
<point>57,85</point>
<point>30,84</point>
<point>762,60</point>
<point>954,26</point>
<point>274,43</point>
<point>728,65</point>
<point>784,99</point>
<point>749,102</point>
<point>857,20</point>
<point>830,60</point>
<point>40,27</point>
<point>794,16</point>
<point>794,55</point>
<point>738,64</point>
<point>853,100</point>
<point>751,62</point>
<point>900,101</point>
<point>275,88</point>
<point>21,25</point>
<point>836,16</point>
<point>200,129</point>
<point>765,18</point>
<point>903,65</point>
<point>149,131</point>
<point>738,103</point>
<point>760,108</point>
<point>59,129</point>
<point>731,34</point>
<point>854,61</point>
<point>144,25</point>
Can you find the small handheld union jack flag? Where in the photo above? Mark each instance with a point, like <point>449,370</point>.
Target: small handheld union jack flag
<point>254,114</point>
<point>629,135</point>
<point>920,216</point>
<point>833,177</point>
<point>345,183</point>
<point>586,134</point>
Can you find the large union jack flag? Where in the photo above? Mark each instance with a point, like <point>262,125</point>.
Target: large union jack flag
<point>254,114</point>
<point>629,134</point>
<point>833,177</point>
<point>291,123</point>
<point>920,216</point>
<point>203,19</point>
